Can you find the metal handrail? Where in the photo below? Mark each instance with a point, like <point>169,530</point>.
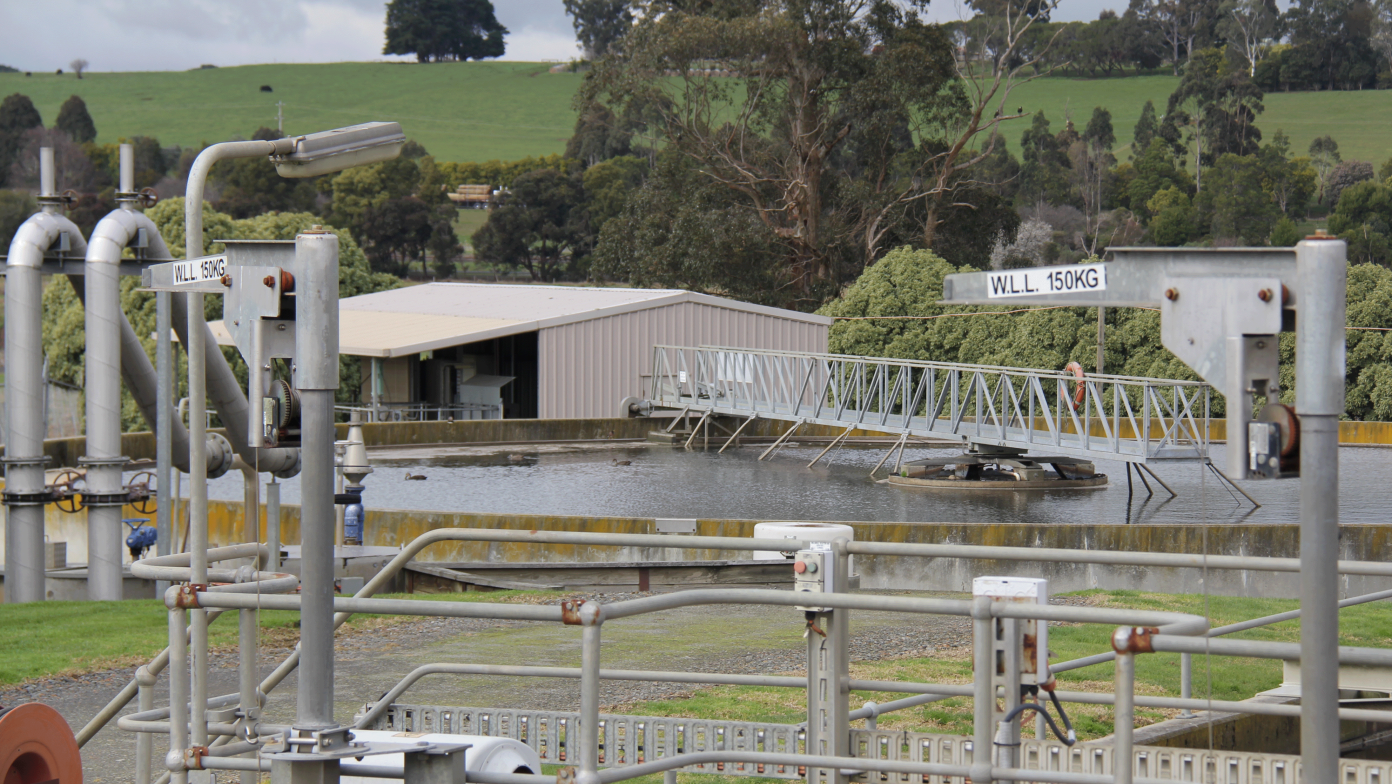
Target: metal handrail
<point>977,404</point>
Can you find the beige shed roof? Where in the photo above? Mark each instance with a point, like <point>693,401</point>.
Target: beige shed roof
<point>413,319</point>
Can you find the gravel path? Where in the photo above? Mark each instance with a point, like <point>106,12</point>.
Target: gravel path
<point>733,639</point>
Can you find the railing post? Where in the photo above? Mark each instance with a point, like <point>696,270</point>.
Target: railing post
<point>984,694</point>
<point>1125,718</point>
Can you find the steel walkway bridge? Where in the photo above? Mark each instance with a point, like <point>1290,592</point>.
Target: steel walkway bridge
<point>1135,420</point>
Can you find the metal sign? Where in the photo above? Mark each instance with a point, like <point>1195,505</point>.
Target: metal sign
<point>1047,280</point>
<point>201,274</point>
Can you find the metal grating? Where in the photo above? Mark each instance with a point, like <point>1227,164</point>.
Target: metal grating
<point>628,740</point>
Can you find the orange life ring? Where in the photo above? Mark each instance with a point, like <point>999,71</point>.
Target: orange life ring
<point>36,745</point>
<point>1081,391</point>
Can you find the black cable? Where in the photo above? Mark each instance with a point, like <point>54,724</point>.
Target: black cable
<point>1067,740</point>
<point>1068,725</point>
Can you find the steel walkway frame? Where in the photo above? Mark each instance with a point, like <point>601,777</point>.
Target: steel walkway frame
<point>980,405</point>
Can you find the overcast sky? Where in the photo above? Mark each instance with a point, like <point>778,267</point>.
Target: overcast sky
<point>175,35</point>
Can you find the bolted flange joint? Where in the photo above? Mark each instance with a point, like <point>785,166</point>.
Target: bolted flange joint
<point>1133,639</point>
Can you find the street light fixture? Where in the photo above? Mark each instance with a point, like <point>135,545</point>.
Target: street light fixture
<point>341,148</point>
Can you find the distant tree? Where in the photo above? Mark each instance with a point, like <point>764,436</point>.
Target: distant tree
<point>1290,181</point>
<point>1218,107</point>
<point>539,225</point>
<point>413,149</point>
<point>1331,44</point>
<point>680,230</point>
<point>251,187</point>
<point>443,244</point>
<point>1146,129</point>
<point>1346,174</point>
<point>1324,154</point>
<point>599,135</point>
<point>17,115</point>
<point>1284,234</point>
<point>72,168</point>
<point>265,134</point>
<point>443,30</point>
<point>599,24</point>
<point>15,209</point>
<point>1250,26</point>
<point>1174,221</point>
<point>1236,205</point>
<point>395,233</point>
<point>1156,171</point>
<point>1092,166</point>
<point>74,120</point>
<point>361,187</point>
<point>79,65</point>
<point>1363,218</point>
<point>1044,164</point>
<point>151,164</point>
<point>608,186</point>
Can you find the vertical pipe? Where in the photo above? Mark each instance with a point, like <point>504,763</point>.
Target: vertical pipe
<point>1125,719</point>
<point>984,695</point>
<point>145,700</point>
<point>273,523</point>
<point>247,679</point>
<point>316,377</point>
<point>1011,631</point>
<point>24,391</point>
<point>102,368</point>
<point>164,426</point>
<point>1101,340</point>
<point>589,699</point>
<point>178,693</point>
<point>1321,270</point>
<point>48,173</point>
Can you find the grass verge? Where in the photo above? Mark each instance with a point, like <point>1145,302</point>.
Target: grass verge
<point>1156,674</point>
<point>46,639</point>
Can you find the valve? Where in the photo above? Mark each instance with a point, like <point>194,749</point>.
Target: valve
<point>1273,443</point>
<point>142,537</point>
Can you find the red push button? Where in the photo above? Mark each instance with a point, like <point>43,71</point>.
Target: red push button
<point>799,566</point>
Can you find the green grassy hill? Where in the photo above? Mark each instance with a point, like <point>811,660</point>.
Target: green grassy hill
<point>481,111</point>
<point>459,111</point>
<point>1357,120</point>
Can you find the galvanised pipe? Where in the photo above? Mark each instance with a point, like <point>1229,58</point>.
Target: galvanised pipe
<point>984,688</point>
<point>178,690</point>
<point>1171,622</point>
<point>102,360</point>
<point>588,754</point>
<point>273,525</point>
<point>24,387</point>
<point>1124,719</point>
<point>316,379</point>
<point>1321,267</point>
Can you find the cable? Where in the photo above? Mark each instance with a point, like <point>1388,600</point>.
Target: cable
<point>1067,740</point>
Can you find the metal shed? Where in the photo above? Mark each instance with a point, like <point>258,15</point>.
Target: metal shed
<point>547,351</point>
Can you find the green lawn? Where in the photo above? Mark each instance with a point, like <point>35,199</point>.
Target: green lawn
<point>1355,119</point>
<point>467,222</point>
<point>65,638</point>
<point>1156,674</point>
<point>459,111</point>
<point>480,111</point>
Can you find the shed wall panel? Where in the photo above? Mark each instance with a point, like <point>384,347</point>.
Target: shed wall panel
<point>587,367</point>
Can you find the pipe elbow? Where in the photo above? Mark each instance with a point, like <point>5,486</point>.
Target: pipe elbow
<point>36,236</point>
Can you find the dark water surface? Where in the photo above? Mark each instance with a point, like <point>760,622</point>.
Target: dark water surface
<point>667,482</point>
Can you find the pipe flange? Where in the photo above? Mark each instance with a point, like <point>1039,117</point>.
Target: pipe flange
<point>20,462</point>
<point>98,462</point>
<point>90,500</point>
<point>40,498</point>
<point>220,455</point>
